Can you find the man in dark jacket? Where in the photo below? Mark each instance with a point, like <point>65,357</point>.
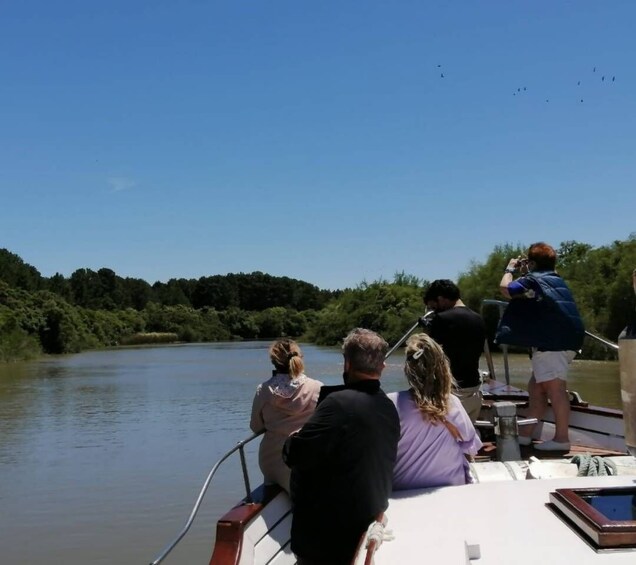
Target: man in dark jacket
<point>542,315</point>
<point>342,459</point>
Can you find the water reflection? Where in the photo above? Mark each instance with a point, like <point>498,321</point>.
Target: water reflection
<point>98,445</point>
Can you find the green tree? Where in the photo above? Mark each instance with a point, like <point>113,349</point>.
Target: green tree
<point>214,292</point>
<point>59,285</point>
<point>15,343</point>
<point>15,272</point>
<point>137,293</point>
<point>387,308</point>
<point>239,323</point>
<point>173,292</point>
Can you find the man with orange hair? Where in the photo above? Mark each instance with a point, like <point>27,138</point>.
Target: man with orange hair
<point>542,315</point>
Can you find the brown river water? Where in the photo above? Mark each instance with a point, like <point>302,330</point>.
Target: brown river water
<point>102,454</point>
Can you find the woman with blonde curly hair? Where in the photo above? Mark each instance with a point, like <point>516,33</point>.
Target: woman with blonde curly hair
<point>281,406</point>
<point>436,434</point>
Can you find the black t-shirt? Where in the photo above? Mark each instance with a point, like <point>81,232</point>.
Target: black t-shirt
<point>461,333</point>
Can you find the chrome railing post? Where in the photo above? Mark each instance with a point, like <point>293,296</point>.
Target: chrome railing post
<point>246,478</point>
<point>501,305</point>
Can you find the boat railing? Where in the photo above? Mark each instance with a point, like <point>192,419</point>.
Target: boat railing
<point>501,305</point>
<point>246,480</point>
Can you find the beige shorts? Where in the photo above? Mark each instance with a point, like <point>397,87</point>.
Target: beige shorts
<point>550,365</point>
<point>470,397</point>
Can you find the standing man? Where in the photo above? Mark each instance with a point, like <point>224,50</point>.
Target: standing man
<point>342,459</point>
<point>542,315</point>
<point>462,334</point>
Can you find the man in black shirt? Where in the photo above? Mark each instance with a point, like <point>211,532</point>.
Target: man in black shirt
<point>342,459</point>
<point>462,334</point>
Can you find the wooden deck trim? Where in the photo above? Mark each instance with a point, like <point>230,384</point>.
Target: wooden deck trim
<point>598,410</point>
<point>231,526</point>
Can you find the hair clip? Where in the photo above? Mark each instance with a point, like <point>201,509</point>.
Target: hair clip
<point>418,354</point>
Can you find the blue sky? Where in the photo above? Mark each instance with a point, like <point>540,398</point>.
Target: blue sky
<point>315,140</point>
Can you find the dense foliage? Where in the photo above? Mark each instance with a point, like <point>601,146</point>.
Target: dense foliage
<point>99,308</point>
<point>388,308</point>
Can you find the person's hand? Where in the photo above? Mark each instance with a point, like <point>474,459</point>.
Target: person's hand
<point>512,267</point>
<point>424,321</point>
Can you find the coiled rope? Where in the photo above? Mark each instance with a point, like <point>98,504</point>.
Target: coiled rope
<point>593,465</point>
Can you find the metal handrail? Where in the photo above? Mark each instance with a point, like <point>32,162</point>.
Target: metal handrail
<point>248,497</point>
<point>421,321</point>
<point>606,342</point>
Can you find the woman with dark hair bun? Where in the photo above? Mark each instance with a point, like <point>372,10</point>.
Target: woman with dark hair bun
<point>281,406</point>
<point>437,436</point>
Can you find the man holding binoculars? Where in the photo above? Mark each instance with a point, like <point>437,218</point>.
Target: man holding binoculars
<point>542,316</point>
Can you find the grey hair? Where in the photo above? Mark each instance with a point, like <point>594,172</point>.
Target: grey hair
<point>365,350</point>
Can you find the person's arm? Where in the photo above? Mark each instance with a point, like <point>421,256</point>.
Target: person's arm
<point>256,421</point>
<point>508,277</point>
<point>317,439</point>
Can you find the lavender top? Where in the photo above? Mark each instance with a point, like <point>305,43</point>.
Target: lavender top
<point>428,455</point>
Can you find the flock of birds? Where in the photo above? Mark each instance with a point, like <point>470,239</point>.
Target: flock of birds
<point>521,89</point>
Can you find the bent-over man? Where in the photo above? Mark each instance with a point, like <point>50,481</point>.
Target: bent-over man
<point>342,459</point>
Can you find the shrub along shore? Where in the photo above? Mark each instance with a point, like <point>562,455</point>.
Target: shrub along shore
<point>93,309</point>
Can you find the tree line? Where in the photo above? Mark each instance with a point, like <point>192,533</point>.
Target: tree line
<point>105,290</point>
<point>93,309</point>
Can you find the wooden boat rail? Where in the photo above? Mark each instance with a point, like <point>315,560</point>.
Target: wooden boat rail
<point>246,481</point>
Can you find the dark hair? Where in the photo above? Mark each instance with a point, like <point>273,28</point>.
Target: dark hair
<point>444,288</point>
<point>543,255</point>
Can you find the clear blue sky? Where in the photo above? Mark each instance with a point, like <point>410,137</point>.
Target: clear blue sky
<point>312,139</point>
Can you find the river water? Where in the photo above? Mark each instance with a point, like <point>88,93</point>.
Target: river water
<point>102,454</point>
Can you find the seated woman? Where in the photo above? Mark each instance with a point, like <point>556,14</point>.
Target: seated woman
<point>281,406</point>
<point>436,434</point>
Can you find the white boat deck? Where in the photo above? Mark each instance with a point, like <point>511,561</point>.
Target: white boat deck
<point>498,523</point>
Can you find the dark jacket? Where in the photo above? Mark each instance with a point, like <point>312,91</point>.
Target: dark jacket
<point>342,467</point>
<point>549,322</point>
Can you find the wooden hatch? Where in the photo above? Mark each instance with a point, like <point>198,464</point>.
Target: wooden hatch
<point>605,516</point>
